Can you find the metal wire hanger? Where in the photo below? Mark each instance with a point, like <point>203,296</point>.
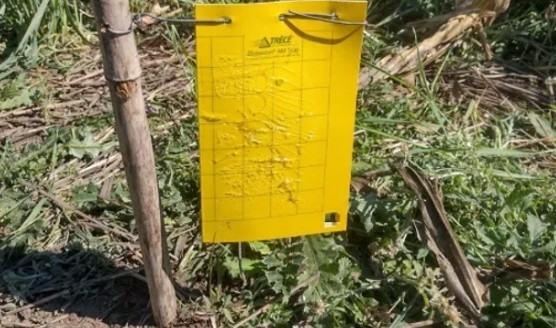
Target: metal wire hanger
<point>327,18</point>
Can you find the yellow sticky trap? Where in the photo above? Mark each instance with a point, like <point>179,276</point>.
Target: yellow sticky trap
<point>276,109</point>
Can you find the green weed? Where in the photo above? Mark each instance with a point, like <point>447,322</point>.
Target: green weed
<point>496,170</point>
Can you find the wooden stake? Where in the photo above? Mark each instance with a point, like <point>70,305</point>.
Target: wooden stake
<point>123,73</point>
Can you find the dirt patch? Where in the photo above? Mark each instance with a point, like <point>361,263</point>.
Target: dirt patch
<point>77,287</point>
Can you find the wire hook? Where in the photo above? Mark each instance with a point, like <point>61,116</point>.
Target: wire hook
<point>136,20</point>
<point>328,18</point>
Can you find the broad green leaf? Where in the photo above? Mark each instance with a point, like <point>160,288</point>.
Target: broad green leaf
<point>522,307</point>
<point>88,146</point>
<point>33,216</point>
<point>535,227</point>
<point>273,262</point>
<point>260,247</point>
<point>22,99</point>
<point>7,204</point>
<point>85,194</point>
<point>275,280</point>
<point>15,93</point>
<point>548,248</point>
<point>234,267</point>
<point>542,126</point>
<point>423,252</point>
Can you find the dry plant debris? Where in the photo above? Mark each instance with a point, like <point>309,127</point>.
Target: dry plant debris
<point>68,250</point>
<point>435,231</point>
<point>478,16</point>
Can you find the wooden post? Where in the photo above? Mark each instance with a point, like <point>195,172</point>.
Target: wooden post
<point>123,74</point>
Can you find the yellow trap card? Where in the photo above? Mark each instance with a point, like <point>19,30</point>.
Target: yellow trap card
<point>276,106</point>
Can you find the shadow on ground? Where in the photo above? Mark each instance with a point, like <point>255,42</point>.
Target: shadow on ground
<point>74,287</point>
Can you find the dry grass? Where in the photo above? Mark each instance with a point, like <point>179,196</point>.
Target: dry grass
<point>485,132</point>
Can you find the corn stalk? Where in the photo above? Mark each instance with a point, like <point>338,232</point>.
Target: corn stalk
<point>453,28</point>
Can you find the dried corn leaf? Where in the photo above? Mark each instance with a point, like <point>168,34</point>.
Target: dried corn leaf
<point>457,24</point>
<point>435,231</point>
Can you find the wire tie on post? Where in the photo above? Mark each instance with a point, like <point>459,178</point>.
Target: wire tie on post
<point>327,18</point>
<point>223,20</point>
<point>119,33</point>
<point>136,19</point>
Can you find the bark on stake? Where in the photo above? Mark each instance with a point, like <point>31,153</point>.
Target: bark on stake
<point>123,72</point>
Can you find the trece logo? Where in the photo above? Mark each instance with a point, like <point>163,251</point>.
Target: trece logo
<point>275,41</point>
